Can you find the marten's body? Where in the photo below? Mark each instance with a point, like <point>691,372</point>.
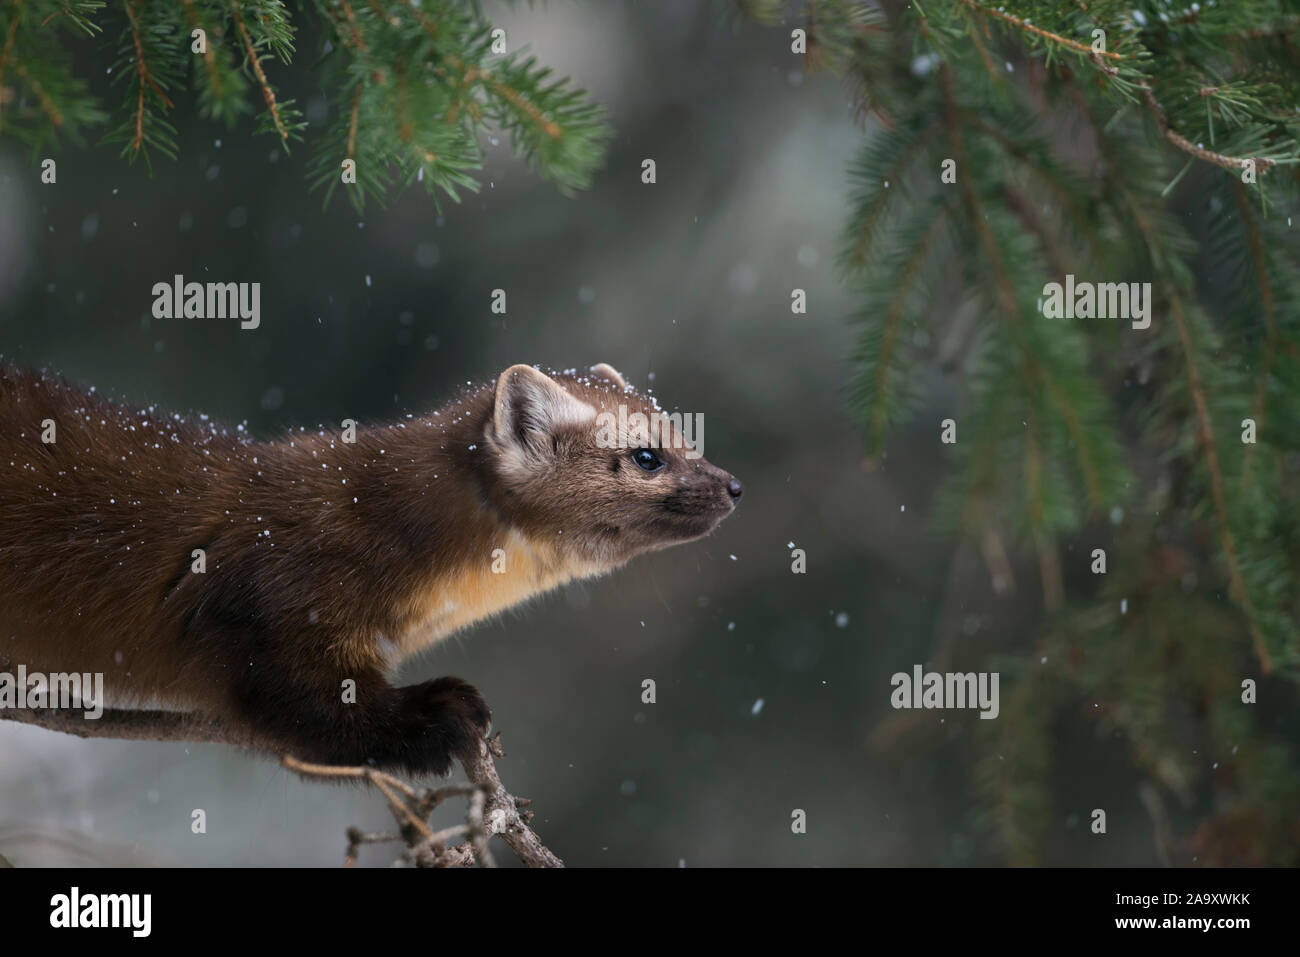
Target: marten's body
<point>324,561</point>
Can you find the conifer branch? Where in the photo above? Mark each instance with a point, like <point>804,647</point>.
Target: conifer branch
<point>255,62</point>
<point>1049,568</point>
<point>145,80</point>
<point>1260,267</point>
<point>209,58</point>
<point>352,122</point>
<point>517,100</point>
<point>1187,146</point>
<point>1040,170</point>
<point>421,18</point>
<point>1038,399</point>
<point>10,35</point>
<point>404,129</point>
<point>1023,211</point>
<point>412,87</point>
<point>1205,433</point>
<point>47,103</point>
<point>987,242</point>
<point>1035,377</point>
<point>892,324</point>
<point>354,31</point>
<point>866,228</point>
<point>1037,31</point>
<point>985,59</point>
<point>1079,436</point>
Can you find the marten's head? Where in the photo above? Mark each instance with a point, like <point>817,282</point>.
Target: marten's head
<point>591,466</point>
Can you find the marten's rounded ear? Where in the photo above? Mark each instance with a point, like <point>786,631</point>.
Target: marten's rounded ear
<point>603,370</point>
<point>530,406</point>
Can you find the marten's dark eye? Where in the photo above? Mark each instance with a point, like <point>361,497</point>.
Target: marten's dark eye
<point>647,461</point>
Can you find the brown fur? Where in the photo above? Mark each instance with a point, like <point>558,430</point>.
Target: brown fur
<point>326,560</point>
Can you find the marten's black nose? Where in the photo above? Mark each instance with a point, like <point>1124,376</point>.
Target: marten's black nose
<point>735,489</point>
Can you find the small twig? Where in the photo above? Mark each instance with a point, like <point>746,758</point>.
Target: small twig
<point>209,59</point>
<point>352,124</point>
<point>989,68</point>
<point>518,101</point>
<point>267,93</point>
<point>357,837</point>
<point>47,104</point>
<point>1098,58</point>
<point>1200,152</point>
<point>405,130</point>
<point>492,810</point>
<point>421,18</point>
<point>1037,31</point>
<point>358,40</point>
<point>144,77</point>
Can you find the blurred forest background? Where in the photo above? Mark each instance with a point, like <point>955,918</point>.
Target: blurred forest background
<point>774,688</point>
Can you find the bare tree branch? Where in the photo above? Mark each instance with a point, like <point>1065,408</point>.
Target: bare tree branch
<point>492,809</point>
<point>131,725</point>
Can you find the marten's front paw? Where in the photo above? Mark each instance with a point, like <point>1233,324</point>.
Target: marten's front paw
<point>441,719</point>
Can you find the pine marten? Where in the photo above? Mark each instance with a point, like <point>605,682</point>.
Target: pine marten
<point>323,561</point>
